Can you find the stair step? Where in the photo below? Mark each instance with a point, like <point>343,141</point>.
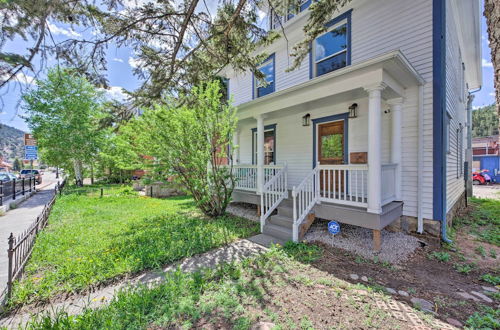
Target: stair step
<point>278,231</point>
<point>281,220</point>
<point>286,211</point>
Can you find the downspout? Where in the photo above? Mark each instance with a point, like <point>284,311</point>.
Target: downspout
<point>420,159</point>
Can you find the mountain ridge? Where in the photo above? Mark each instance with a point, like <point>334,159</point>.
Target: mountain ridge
<point>11,142</point>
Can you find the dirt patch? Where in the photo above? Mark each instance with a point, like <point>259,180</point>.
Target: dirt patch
<point>487,191</point>
<point>420,277</point>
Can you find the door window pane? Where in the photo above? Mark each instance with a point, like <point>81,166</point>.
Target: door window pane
<point>331,146</point>
<point>269,147</point>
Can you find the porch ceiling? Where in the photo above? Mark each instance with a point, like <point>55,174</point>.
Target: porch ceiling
<point>393,69</point>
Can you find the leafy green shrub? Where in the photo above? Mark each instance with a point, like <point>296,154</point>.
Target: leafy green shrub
<point>463,268</point>
<point>486,319</point>
<point>480,250</point>
<point>492,279</point>
<point>440,256</point>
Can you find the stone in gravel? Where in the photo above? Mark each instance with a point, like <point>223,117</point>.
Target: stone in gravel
<point>482,296</point>
<point>489,289</point>
<point>354,277</point>
<point>454,322</point>
<point>465,295</point>
<point>424,305</point>
<point>403,293</point>
<point>263,326</point>
<point>391,290</point>
<point>364,278</point>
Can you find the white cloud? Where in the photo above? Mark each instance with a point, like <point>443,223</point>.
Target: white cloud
<point>486,64</point>
<point>116,59</point>
<point>475,107</point>
<point>492,94</point>
<point>3,113</point>
<point>54,29</point>
<point>20,77</point>
<point>116,93</point>
<point>135,62</point>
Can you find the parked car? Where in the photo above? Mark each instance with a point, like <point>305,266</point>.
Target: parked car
<point>25,173</point>
<point>6,176</point>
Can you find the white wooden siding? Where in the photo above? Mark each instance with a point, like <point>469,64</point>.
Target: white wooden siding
<point>378,27</point>
<point>456,107</point>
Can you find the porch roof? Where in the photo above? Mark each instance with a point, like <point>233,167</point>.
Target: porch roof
<point>392,68</point>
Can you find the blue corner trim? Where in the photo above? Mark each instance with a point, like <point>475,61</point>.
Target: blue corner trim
<point>345,118</point>
<point>345,16</point>
<point>266,127</point>
<point>439,112</point>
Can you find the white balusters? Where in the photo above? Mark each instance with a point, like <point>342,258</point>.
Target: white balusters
<point>274,191</point>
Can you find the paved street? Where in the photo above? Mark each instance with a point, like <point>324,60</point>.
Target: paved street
<point>19,219</point>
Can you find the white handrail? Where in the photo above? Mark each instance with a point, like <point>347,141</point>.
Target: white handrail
<point>274,192</point>
<point>305,196</point>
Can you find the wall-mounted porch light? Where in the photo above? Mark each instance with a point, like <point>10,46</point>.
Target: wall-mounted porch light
<point>306,120</point>
<point>353,110</point>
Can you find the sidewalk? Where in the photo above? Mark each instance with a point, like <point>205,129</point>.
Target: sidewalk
<point>17,220</point>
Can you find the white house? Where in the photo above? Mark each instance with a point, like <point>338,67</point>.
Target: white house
<point>371,129</point>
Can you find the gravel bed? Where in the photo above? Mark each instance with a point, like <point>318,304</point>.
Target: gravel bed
<point>396,247</point>
<point>244,210</point>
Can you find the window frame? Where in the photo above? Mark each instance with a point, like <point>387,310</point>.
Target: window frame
<point>337,22</point>
<point>255,92</point>
<point>276,20</point>
<point>267,128</point>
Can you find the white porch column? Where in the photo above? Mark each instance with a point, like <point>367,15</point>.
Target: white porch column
<point>374,147</point>
<point>260,152</point>
<point>396,110</point>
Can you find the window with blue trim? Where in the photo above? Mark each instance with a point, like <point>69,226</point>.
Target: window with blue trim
<point>267,86</point>
<point>331,49</point>
<point>293,10</point>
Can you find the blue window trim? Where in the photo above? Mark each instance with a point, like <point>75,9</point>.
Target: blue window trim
<point>345,16</point>
<point>270,57</point>
<point>267,127</point>
<point>342,116</point>
<point>439,111</point>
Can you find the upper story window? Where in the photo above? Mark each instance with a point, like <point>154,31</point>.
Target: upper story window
<point>293,10</point>
<point>331,50</point>
<point>262,88</point>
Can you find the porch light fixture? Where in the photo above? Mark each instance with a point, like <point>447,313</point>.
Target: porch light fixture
<point>353,110</point>
<point>306,120</point>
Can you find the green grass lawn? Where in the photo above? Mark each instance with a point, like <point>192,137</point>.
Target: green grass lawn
<point>273,287</point>
<point>483,221</point>
<point>92,240</point>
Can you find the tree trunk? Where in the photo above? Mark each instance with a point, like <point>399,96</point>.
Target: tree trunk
<point>91,173</point>
<point>77,166</point>
<point>492,14</point>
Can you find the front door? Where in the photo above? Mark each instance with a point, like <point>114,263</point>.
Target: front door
<point>331,152</point>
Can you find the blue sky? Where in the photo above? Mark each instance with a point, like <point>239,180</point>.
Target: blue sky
<point>121,62</point>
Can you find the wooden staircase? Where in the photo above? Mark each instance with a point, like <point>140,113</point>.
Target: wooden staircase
<point>280,225</point>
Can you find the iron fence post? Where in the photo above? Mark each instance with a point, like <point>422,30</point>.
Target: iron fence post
<point>1,193</point>
<point>13,189</point>
<point>10,252</point>
<point>23,186</point>
<point>102,192</point>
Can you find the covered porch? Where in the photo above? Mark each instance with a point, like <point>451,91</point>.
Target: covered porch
<point>358,185</point>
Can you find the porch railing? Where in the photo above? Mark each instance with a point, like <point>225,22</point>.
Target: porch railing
<point>305,196</point>
<point>389,183</point>
<point>273,192</point>
<point>344,184</point>
<point>246,175</point>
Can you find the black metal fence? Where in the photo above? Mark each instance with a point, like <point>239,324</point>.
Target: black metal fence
<point>16,187</point>
<point>20,247</point>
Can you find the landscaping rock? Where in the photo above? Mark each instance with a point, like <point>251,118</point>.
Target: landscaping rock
<point>489,289</point>
<point>263,326</point>
<point>403,293</point>
<point>424,305</point>
<point>482,296</point>
<point>364,278</point>
<point>454,322</point>
<point>391,291</point>
<point>465,295</point>
<point>354,277</point>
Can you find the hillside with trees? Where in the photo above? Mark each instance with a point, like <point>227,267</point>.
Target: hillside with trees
<point>485,121</point>
<point>11,142</point>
